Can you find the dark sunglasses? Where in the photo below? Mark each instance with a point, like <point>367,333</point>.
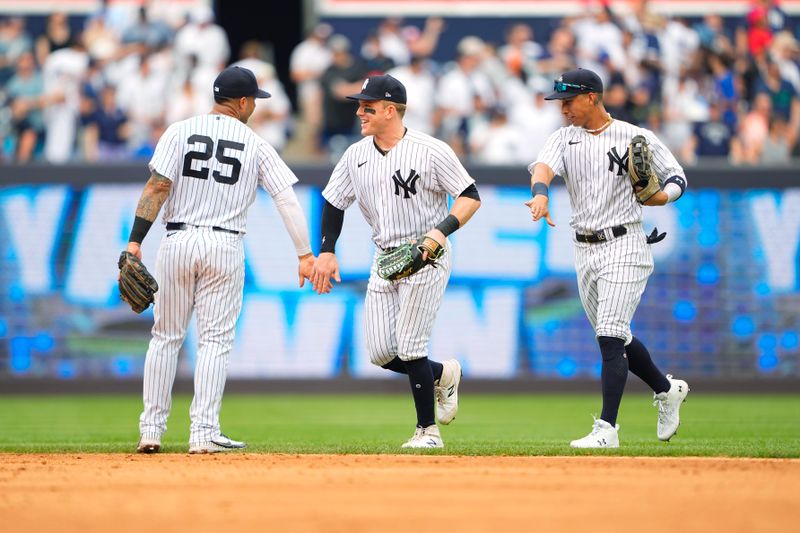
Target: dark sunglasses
<point>563,87</point>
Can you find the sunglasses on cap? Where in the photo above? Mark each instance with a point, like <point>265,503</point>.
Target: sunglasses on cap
<point>563,87</point>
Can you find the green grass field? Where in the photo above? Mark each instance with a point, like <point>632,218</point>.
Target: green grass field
<point>712,425</point>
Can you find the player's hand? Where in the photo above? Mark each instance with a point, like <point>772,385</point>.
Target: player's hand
<point>659,198</point>
<point>325,268</point>
<point>437,236</point>
<point>305,268</point>
<point>136,249</point>
<point>538,207</point>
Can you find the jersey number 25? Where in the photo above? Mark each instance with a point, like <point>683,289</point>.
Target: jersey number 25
<point>205,155</point>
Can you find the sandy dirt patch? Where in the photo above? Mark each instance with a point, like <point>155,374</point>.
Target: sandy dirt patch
<point>351,493</point>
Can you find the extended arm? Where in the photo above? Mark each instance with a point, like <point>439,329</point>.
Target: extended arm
<point>461,211</point>
<point>541,177</point>
<point>153,197</point>
<point>295,222</point>
<point>327,266</point>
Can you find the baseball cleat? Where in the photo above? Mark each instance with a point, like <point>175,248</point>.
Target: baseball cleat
<point>603,435</point>
<point>669,405</point>
<point>428,437</point>
<point>447,392</point>
<point>218,444</point>
<point>149,443</point>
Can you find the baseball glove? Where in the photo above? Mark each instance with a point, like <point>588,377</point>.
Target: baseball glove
<point>136,285</point>
<point>406,259</point>
<point>640,169</point>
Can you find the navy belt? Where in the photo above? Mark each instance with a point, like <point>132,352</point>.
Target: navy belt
<point>175,226</point>
<point>600,236</point>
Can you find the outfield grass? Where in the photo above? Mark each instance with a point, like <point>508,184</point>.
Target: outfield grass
<point>712,425</point>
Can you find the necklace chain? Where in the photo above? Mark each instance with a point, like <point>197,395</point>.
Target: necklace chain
<point>601,128</point>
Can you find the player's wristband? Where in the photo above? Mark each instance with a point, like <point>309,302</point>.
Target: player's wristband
<point>139,230</point>
<point>448,225</point>
<point>539,188</point>
<point>332,222</point>
<point>673,193</point>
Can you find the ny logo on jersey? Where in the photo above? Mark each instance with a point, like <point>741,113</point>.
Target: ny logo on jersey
<point>615,159</point>
<point>408,185</point>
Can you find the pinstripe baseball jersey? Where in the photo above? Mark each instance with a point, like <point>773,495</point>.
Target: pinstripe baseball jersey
<point>595,169</point>
<point>216,163</point>
<point>402,194</point>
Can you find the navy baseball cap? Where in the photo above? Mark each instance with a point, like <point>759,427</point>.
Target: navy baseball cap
<point>575,82</point>
<point>236,82</point>
<point>382,87</point>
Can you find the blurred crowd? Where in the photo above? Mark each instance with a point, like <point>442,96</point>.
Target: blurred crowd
<point>710,88</point>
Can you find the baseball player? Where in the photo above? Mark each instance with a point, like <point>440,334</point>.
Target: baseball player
<point>206,170</point>
<point>612,253</point>
<point>401,179</point>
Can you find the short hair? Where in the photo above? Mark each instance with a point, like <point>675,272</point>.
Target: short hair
<point>401,108</point>
<point>224,99</point>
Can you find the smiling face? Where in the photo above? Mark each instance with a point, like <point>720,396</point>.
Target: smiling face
<point>374,115</point>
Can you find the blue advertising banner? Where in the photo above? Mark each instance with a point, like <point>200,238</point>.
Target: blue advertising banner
<point>724,300</point>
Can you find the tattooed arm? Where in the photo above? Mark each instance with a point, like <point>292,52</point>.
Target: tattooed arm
<point>153,197</point>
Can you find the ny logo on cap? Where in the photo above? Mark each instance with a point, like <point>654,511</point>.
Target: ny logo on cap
<point>366,81</point>
<point>216,89</point>
<point>387,95</point>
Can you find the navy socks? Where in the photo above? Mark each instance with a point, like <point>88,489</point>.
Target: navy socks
<point>613,376</point>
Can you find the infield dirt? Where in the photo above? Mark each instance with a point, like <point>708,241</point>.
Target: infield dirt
<point>353,493</point>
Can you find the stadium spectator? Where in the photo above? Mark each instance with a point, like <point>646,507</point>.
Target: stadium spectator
<point>463,93</point>
<point>102,43</point>
<point>423,43</point>
<point>307,62</point>
<point>616,101</point>
<point>147,33</point>
<point>189,103</point>
<point>343,77</point>
<point>598,39</point>
<point>107,130</point>
<point>57,36</point>
<point>272,117</point>
<point>785,52</point>
<point>785,102</point>
<point>534,117</point>
<point>758,32</point>
<point>420,83</point>
<point>712,137</point>
<point>777,148</point>
<point>683,105</point>
<point>14,41</point>
<point>496,141</point>
<point>725,87</point>
<point>141,97</point>
<point>63,74</point>
<point>559,54</point>
<point>754,130</point>
<point>372,54</point>
<point>521,52</point>
<point>24,91</point>
<point>203,38</point>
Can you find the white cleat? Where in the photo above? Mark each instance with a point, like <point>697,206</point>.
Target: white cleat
<point>669,405</point>
<point>603,435</point>
<point>216,445</point>
<point>428,437</point>
<point>447,392</point>
<point>149,444</point>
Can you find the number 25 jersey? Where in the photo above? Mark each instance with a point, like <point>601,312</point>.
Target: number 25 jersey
<point>216,163</point>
